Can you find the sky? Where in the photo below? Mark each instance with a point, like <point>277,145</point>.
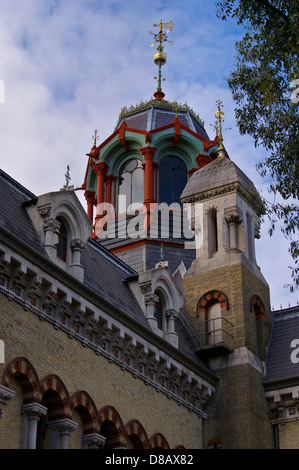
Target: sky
<point>67,67</point>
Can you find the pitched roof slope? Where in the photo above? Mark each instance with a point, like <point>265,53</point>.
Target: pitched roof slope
<point>285,329</point>
<point>14,218</point>
<point>104,274</point>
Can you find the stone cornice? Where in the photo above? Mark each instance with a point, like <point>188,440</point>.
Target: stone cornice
<point>92,298</point>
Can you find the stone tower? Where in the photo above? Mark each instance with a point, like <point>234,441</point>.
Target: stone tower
<point>227,302</point>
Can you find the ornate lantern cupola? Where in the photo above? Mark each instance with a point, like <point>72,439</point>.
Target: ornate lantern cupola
<point>134,179</point>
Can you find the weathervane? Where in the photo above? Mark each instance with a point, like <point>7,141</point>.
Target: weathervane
<point>160,56</point>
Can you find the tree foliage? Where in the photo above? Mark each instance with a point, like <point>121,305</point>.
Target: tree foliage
<point>265,88</point>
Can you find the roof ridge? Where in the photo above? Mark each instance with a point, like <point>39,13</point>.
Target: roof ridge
<point>19,187</point>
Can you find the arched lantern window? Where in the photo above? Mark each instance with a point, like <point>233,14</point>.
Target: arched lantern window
<point>131,182</point>
<point>172,179</point>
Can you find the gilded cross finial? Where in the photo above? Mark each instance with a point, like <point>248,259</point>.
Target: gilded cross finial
<point>219,115</point>
<point>95,137</point>
<point>160,56</point>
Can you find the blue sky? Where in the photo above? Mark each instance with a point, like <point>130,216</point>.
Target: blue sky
<point>69,66</point>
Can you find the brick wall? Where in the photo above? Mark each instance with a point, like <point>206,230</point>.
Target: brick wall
<point>51,351</point>
<point>238,413</point>
<point>289,435</point>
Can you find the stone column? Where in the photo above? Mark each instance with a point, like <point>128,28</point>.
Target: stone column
<point>93,441</point>
<point>76,268</point>
<point>51,226</point>
<point>150,301</point>
<point>171,336</point>
<point>31,414</point>
<point>233,219</point>
<point>60,432</point>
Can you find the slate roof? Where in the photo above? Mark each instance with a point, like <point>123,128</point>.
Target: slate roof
<point>155,116</point>
<point>285,328</point>
<point>104,273</point>
<point>13,215</point>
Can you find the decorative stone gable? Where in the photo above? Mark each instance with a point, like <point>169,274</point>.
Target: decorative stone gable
<point>161,300</point>
<point>63,227</point>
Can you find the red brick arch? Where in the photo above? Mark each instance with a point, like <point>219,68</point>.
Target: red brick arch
<point>108,414</point>
<point>257,306</point>
<point>52,383</point>
<point>215,443</point>
<point>158,440</point>
<point>84,404</point>
<point>212,296</point>
<point>23,370</point>
<point>135,428</point>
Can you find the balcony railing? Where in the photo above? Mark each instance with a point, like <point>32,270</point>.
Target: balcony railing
<point>214,336</point>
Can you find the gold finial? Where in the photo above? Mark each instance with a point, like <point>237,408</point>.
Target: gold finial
<point>95,137</point>
<point>219,115</point>
<point>123,112</point>
<point>176,108</point>
<point>160,56</point>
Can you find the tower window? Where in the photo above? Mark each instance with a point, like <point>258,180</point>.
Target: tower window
<point>172,179</point>
<point>62,242</point>
<point>158,312</point>
<point>212,232</point>
<point>213,323</point>
<point>131,182</point>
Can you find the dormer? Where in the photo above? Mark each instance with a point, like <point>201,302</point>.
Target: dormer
<point>63,227</point>
<point>161,300</point>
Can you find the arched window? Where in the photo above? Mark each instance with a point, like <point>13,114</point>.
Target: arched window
<point>213,323</point>
<point>62,241</point>
<point>212,232</point>
<point>172,179</point>
<point>158,311</point>
<point>131,182</point>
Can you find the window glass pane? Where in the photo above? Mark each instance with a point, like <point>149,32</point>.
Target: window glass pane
<point>131,181</point>
<point>158,312</point>
<point>62,242</point>
<point>172,179</point>
<point>137,185</point>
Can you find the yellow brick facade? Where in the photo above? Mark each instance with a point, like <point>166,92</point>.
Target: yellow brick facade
<point>239,402</point>
<point>239,285</point>
<point>50,351</point>
<point>289,435</point>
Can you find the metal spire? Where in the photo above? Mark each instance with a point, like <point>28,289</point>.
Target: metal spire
<point>160,56</point>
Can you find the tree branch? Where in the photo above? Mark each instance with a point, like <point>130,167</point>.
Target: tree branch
<point>269,5</point>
